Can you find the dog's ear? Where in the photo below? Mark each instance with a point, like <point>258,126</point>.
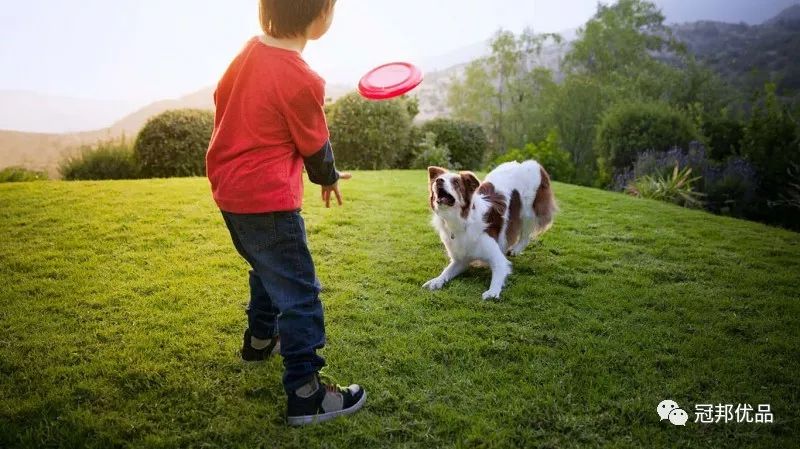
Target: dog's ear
<point>435,172</point>
<point>471,182</point>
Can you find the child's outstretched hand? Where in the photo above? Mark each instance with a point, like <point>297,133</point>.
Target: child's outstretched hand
<point>326,190</point>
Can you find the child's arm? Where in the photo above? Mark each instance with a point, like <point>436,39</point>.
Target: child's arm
<point>321,167</point>
<point>309,128</point>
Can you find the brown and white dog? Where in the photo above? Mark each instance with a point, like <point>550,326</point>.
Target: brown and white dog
<point>483,222</point>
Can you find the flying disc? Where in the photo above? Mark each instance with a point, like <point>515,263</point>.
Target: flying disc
<point>389,81</point>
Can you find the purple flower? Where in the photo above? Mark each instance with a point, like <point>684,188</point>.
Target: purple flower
<point>729,187</point>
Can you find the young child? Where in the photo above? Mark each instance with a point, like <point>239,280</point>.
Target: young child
<point>270,124</point>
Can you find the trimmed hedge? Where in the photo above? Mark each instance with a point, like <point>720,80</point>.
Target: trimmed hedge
<point>369,135</point>
<point>174,144</point>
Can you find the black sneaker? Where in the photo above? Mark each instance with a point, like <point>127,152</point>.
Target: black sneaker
<point>251,354</point>
<point>316,402</point>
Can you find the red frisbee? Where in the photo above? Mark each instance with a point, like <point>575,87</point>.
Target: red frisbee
<point>389,81</point>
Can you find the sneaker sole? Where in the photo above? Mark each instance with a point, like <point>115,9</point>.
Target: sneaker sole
<point>315,419</point>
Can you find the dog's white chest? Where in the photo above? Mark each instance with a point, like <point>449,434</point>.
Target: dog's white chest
<point>461,245</point>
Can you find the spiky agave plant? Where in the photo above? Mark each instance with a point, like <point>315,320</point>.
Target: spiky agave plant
<point>791,196</point>
<point>676,188</point>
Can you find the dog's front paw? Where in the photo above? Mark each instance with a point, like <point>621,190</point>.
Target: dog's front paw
<point>434,284</point>
<point>517,249</point>
<point>491,294</point>
<point>514,252</point>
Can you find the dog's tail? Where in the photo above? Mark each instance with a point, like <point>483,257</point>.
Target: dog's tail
<point>544,205</point>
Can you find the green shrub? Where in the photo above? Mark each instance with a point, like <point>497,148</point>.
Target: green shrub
<point>630,128</point>
<point>174,144</point>
<point>369,135</point>
<point>549,153</point>
<point>21,174</point>
<point>108,159</point>
<point>430,154</point>
<point>466,140</point>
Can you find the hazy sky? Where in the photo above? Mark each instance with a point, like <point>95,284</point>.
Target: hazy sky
<point>145,50</point>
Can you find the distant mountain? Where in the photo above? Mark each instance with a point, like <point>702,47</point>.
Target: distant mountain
<point>788,17</point>
<point>457,57</point>
<point>752,12</point>
<point>132,123</point>
<point>747,56</point>
<point>34,112</point>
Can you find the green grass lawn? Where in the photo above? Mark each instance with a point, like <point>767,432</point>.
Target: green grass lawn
<point>122,309</point>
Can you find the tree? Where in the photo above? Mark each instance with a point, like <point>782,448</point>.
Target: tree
<point>465,140</point>
<point>468,96</point>
<point>504,92</point>
<point>576,110</point>
<point>619,41</point>
<point>772,143</point>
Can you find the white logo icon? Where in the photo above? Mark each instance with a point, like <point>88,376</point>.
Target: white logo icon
<point>665,407</point>
<point>678,417</point>
<point>670,410</point>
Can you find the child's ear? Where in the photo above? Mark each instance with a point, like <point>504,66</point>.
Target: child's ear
<point>435,172</point>
<point>471,182</point>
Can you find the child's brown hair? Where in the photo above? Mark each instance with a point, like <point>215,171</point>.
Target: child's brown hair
<point>291,18</point>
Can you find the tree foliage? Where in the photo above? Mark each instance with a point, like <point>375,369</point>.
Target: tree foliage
<point>617,44</point>
<point>772,142</point>
<point>465,140</point>
<point>432,154</point>
<point>630,128</point>
<point>503,92</point>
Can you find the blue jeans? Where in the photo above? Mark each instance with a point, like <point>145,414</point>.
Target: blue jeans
<point>284,289</point>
